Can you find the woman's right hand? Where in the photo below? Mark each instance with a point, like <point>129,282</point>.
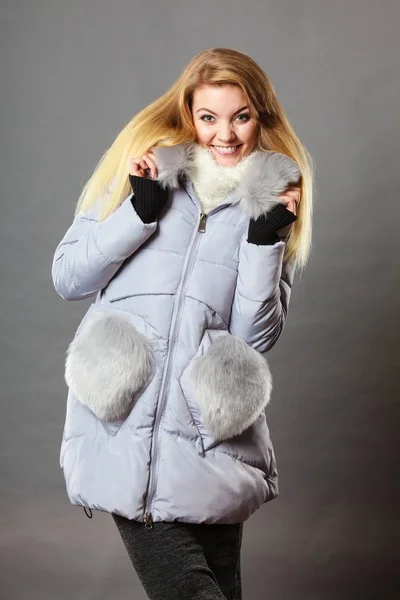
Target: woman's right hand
<point>149,197</point>
<point>144,166</point>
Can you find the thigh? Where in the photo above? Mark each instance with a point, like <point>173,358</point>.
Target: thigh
<point>222,549</point>
<point>169,561</point>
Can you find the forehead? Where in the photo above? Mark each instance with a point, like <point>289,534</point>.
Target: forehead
<point>224,99</point>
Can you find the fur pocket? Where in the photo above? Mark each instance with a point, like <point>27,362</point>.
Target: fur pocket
<point>227,385</point>
<point>108,362</point>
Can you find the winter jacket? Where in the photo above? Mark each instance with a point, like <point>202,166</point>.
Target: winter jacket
<point>167,383</point>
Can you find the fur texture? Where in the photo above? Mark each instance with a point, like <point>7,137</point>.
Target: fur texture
<point>212,182</point>
<point>107,363</point>
<point>172,161</point>
<point>233,384</point>
<point>267,176</point>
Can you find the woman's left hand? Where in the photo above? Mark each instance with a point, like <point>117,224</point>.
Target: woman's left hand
<point>291,196</point>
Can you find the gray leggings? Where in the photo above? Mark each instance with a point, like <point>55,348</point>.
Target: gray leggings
<point>182,561</point>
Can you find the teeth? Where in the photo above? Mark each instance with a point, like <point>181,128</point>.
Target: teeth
<point>226,149</point>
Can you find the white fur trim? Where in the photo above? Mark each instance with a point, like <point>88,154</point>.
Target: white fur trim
<point>267,176</point>
<point>107,363</point>
<point>211,181</point>
<point>233,384</point>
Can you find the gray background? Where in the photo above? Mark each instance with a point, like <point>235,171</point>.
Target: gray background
<point>73,73</point>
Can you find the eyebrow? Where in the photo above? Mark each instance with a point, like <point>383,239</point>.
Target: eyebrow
<point>213,113</point>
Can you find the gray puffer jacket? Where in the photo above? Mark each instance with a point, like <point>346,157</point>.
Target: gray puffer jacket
<point>167,383</point>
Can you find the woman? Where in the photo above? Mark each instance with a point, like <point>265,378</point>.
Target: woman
<point>188,234</point>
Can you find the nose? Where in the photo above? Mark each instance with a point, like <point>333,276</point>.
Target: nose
<point>225,133</point>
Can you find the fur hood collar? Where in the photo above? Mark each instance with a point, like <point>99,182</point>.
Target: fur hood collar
<point>268,175</point>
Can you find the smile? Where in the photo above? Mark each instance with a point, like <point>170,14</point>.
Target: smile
<point>226,149</point>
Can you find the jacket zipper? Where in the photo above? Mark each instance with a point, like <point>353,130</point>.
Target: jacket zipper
<point>202,223</point>
<point>189,262</point>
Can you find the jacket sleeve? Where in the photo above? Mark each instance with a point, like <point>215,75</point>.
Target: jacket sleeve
<point>92,251</point>
<point>262,295</point>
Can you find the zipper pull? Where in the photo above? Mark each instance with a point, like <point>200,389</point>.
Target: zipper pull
<point>202,224</point>
<point>148,521</point>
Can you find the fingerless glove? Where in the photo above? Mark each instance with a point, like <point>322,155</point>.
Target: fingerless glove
<point>262,231</point>
<point>149,197</point>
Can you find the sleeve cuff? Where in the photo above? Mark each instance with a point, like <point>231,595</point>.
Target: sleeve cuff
<point>148,197</point>
<point>262,231</point>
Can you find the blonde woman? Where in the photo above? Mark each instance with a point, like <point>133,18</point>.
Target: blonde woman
<point>187,236</point>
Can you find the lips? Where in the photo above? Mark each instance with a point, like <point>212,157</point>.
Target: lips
<point>226,150</point>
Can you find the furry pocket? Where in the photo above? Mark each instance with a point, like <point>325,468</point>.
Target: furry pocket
<point>108,362</point>
<point>227,385</point>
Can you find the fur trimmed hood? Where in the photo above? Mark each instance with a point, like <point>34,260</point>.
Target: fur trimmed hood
<point>268,175</point>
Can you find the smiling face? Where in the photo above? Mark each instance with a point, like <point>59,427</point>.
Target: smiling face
<point>223,123</point>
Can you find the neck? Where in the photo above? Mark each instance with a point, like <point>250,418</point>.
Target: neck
<point>212,182</point>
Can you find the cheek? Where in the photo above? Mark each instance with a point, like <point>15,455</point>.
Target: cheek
<point>202,132</point>
<point>249,134</point>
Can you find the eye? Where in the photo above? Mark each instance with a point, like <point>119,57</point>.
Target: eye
<point>246,117</point>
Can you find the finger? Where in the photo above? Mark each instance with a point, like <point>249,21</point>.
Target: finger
<point>293,199</point>
<point>148,167</point>
<point>138,165</point>
<point>292,194</point>
<point>152,161</point>
<point>295,205</point>
<point>144,167</point>
<point>291,206</point>
<point>135,168</point>
<point>152,165</point>
<point>285,199</point>
<point>289,203</point>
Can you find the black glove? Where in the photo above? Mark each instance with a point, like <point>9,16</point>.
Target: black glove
<point>149,197</point>
<point>262,231</point>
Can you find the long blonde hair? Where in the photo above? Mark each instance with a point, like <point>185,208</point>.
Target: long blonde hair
<point>168,121</point>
